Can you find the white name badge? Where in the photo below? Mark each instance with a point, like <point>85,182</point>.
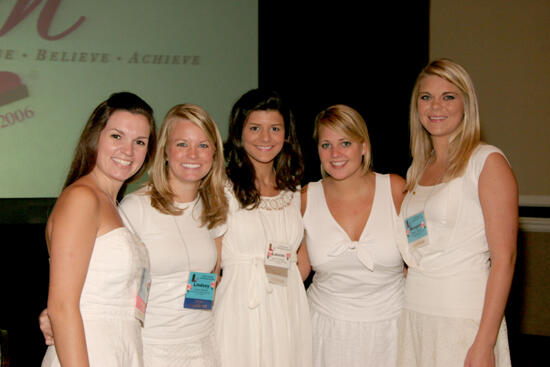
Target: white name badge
<point>277,262</point>
<point>143,294</point>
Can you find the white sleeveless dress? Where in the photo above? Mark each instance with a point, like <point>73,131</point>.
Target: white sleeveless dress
<point>107,302</point>
<point>445,286</point>
<point>258,323</point>
<point>357,291</point>
<point>174,336</point>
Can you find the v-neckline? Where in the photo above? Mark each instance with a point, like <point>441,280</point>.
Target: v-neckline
<point>368,218</point>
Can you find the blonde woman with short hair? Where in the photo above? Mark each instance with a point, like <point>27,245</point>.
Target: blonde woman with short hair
<point>349,216</point>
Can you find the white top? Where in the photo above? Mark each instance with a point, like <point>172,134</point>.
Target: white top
<point>122,257</point>
<point>108,299</point>
<point>259,323</point>
<point>447,277</point>
<point>354,280</point>
<point>166,321</point>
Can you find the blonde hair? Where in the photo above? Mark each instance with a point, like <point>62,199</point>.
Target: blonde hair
<point>462,142</point>
<point>211,187</point>
<point>348,122</point>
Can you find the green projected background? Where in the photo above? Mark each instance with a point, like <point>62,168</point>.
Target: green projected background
<point>59,59</point>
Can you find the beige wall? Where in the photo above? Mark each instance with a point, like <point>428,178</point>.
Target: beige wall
<point>531,289</point>
<point>505,46</point>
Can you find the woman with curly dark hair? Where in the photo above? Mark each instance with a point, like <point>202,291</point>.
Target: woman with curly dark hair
<point>242,165</point>
<point>261,310</point>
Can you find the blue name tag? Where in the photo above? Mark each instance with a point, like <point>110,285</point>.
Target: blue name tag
<point>416,227</point>
<point>200,290</point>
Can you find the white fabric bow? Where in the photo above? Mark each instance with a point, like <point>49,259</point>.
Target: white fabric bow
<point>364,252</point>
<point>259,284</point>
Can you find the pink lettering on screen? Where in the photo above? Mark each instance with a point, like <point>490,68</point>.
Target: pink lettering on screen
<point>23,8</point>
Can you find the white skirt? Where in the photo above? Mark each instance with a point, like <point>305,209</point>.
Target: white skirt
<point>434,341</point>
<point>353,343</point>
<point>193,353</point>
<point>110,342</point>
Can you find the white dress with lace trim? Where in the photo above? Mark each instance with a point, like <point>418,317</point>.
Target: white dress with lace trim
<point>258,323</point>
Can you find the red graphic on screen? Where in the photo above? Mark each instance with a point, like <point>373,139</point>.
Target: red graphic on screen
<point>11,88</point>
<point>24,8</point>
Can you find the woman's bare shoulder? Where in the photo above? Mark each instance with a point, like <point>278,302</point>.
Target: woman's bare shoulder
<point>79,202</point>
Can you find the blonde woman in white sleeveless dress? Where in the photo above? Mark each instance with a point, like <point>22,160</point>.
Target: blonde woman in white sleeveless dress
<point>461,216</point>
<point>96,264</point>
<point>356,293</point>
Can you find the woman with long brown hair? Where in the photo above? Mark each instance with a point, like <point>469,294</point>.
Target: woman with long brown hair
<point>96,264</point>
<point>261,311</point>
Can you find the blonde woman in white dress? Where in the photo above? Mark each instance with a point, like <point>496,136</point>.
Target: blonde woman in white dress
<point>179,215</point>
<point>461,218</point>
<point>356,293</point>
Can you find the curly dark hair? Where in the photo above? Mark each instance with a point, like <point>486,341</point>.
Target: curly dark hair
<point>289,167</point>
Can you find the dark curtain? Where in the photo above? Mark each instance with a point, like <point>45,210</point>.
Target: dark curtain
<point>363,54</point>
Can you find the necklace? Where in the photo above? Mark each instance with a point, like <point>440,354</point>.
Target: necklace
<point>180,234</point>
<point>114,202</point>
<point>183,241</point>
<point>432,188</point>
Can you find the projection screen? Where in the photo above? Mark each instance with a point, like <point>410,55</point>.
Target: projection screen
<point>59,59</point>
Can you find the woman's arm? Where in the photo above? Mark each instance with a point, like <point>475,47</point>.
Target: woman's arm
<point>398,191</point>
<point>218,267</point>
<point>498,195</point>
<point>303,259</point>
<point>73,228</point>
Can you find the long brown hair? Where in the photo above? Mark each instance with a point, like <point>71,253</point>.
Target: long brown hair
<point>288,165</point>
<point>86,150</point>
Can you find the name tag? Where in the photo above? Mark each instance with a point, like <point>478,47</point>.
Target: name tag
<point>416,229</point>
<point>200,290</point>
<point>277,262</point>
<point>143,294</point>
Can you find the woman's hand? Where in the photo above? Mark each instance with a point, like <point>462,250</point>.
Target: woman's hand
<point>480,356</point>
<point>46,327</point>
